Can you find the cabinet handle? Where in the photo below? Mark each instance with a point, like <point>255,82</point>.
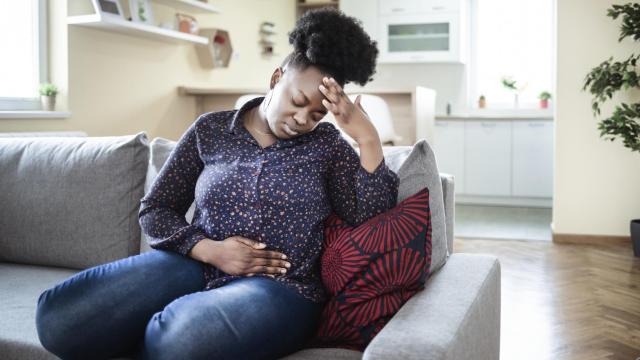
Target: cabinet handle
<point>485,124</point>
<point>397,9</point>
<point>536,124</point>
<point>437,7</point>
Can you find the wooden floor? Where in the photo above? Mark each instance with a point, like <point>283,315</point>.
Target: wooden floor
<point>565,301</point>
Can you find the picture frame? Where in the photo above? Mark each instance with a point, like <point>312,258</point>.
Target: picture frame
<point>111,8</point>
<point>141,11</point>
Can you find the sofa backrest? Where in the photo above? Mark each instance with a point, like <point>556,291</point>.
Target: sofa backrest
<point>71,201</point>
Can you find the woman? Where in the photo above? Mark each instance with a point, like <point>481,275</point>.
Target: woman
<point>242,281</point>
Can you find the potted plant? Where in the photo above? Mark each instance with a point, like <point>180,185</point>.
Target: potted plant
<point>48,94</point>
<point>609,77</point>
<point>544,99</point>
<point>482,102</point>
<point>510,84</point>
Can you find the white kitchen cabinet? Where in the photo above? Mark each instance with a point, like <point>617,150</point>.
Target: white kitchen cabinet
<point>487,157</point>
<point>414,31</point>
<point>365,11</point>
<point>393,7</point>
<point>532,166</point>
<point>439,5</point>
<point>449,150</point>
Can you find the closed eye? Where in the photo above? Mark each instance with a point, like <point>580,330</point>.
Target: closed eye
<point>317,118</point>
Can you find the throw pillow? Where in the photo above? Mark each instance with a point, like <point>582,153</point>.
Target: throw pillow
<point>371,270</point>
<point>417,167</point>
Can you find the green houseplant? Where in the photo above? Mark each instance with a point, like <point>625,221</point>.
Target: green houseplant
<point>48,94</point>
<point>512,85</point>
<point>544,99</point>
<point>609,77</point>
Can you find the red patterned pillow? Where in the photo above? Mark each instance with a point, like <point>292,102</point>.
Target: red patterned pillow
<point>371,270</point>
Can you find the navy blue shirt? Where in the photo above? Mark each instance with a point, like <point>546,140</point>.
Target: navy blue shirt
<point>280,194</point>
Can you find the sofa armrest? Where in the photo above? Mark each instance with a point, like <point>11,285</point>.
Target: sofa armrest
<point>448,195</point>
<point>456,316</point>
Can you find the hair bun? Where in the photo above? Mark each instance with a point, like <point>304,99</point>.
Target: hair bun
<point>330,39</point>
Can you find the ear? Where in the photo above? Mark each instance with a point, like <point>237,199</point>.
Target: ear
<point>275,77</point>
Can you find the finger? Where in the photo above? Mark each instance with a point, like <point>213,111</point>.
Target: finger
<point>337,88</point>
<point>251,243</point>
<point>333,90</point>
<point>267,269</point>
<point>268,254</point>
<point>272,262</point>
<point>330,95</point>
<point>330,106</point>
<point>250,274</point>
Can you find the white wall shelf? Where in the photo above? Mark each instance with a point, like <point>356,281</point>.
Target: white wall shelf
<point>34,114</point>
<point>132,28</point>
<point>192,6</point>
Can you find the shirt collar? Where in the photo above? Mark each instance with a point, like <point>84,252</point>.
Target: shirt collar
<point>236,119</point>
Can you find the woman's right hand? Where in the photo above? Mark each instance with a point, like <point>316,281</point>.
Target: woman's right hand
<point>237,255</point>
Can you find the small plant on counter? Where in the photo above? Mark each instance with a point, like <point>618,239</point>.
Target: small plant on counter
<point>544,99</point>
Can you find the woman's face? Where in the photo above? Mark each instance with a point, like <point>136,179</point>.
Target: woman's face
<point>295,103</point>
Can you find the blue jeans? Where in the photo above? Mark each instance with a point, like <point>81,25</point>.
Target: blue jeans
<point>153,306</point>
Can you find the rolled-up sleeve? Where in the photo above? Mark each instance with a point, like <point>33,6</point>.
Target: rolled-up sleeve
<point>163,208</point>
<point>357,195</point>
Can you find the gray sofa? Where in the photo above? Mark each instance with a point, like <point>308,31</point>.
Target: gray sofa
<point>69,202</point>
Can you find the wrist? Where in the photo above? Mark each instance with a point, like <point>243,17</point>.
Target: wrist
<point>204,251</point>
<point>368,140</point>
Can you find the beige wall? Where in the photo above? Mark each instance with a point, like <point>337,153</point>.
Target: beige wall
<point>118,84</point>
<point>596,181</point>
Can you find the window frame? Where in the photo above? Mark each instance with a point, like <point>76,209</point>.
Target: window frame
<point>41,45</point>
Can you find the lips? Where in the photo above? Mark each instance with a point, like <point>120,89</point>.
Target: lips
<point>288,130</point>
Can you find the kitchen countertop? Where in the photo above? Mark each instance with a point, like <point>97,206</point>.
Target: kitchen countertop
<point>492,115</point>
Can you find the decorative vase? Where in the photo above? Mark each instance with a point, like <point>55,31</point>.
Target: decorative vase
<point>515,101</point>
<point>635,236</point>
<point>48,102</point>
<point>544,103</point>
<point>482,103</point>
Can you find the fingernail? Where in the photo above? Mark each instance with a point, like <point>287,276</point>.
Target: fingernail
<point>284,256</point>
<point>283,270</point>
<point>287,265</point>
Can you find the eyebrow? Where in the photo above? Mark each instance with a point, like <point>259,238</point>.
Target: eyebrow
<point>306,100</point>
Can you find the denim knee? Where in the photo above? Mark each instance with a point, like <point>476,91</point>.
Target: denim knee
<point>175,337</point>
<point>72,316</point>
<point>52,327</point>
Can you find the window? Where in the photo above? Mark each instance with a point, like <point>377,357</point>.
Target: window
<point>511,38</point>
<point>23,65</point>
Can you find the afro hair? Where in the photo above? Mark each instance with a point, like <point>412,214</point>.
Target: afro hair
<point>335,43</point>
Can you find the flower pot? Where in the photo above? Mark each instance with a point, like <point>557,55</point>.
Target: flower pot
<point>544,104</point>
<point>48,102</point>
<point>635,236</point>
<point>482,103</point>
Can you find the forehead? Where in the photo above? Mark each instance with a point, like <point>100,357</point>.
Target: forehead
<point>306,80</point>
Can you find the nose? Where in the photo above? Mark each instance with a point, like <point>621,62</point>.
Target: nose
<point>301,123</point>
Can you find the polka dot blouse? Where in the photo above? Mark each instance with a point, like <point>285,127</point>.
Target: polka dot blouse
<point>280,194</point>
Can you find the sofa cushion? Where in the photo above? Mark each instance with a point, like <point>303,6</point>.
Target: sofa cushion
<point>417,168</point>
<point>20,286</point>
<point>71,201</point>
<point>371,270</point>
